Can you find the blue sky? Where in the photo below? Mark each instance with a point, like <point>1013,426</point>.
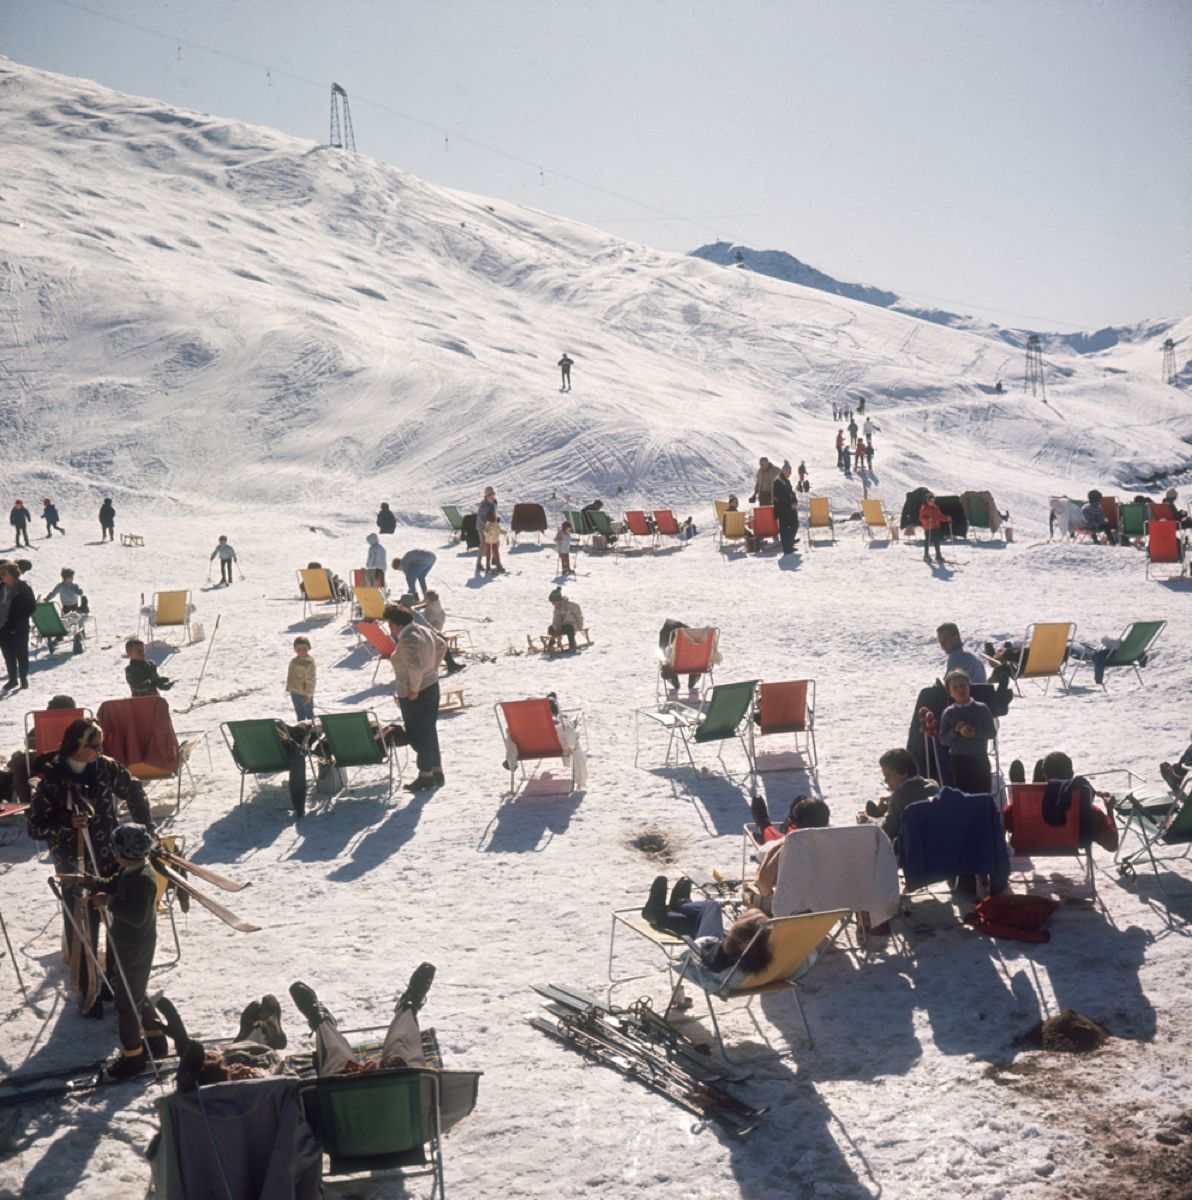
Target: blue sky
<point>1028,161</point>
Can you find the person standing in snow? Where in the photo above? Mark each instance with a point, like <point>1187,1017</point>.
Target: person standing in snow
<point>386,521</point>
<point>763,483</point>
<point>226,556</point>
<point>19,520</point>
<point>107,520</point>
<point>563,546</point>
<point>300,680</point>
<point>859,452</point>
<point>17,604</point>
<point>840,449</point>
<point>932,518</point>
<point>49,514</point>
<point>966,726</point>
<point>852,431</point>
<point>804,482</point>
<point>416,657</point>
<point>846,457</point>
<point>786,509</point>
<point>869,456</point>
<point>488,552</point>
<point>565,368</point>
<point>415,565</point>
<point>375,563</point>
<point>870,429</point>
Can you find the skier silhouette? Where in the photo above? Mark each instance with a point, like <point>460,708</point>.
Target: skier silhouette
<point>565,367</point>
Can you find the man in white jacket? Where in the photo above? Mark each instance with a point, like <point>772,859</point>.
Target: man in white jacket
<point>419,652</point>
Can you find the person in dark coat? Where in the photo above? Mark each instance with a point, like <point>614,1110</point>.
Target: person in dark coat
<point>17,603</point>
<point>966,728</point>
<point>565,364</point>
<point>107,520</point>
<point>19,520</point>
<point>386,521</point>
<point>786,509</point>
<point>49,514</point>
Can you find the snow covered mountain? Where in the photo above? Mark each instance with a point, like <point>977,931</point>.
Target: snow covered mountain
<point>254,317</point>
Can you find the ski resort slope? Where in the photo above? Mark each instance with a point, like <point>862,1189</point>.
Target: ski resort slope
<point>231,332</point>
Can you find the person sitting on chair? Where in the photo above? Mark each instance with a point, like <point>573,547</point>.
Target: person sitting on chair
<point>805,813</point>
<point>901,775</point>
<point>1174,774</point>
<point>1095,520</point>
<point>1064,787</point>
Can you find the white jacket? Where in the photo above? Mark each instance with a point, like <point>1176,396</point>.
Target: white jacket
<point>567,612</point>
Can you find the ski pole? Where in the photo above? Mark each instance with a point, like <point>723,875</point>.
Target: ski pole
<point>238,570</point>
<point>208,570</point>
<point>210,643</point>
<point>13,955</point>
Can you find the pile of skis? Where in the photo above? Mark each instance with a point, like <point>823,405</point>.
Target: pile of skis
<point>176,869</point>
<point>643,1045</point>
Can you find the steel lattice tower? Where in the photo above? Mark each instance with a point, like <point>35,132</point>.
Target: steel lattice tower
<point>342,137</point>
<point>1169,361</point>
<point>1033,378</point>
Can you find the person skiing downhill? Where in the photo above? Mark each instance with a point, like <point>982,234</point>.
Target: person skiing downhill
<point>565,368</point>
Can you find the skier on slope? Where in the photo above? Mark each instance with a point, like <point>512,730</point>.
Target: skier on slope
<point>227,556</point>
<point>386,520</point>
<point>49,514</point>
<point>564,365</point>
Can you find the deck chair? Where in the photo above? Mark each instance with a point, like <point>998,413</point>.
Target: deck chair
<point>1044,652</point>
<point>375,635</point>
<point>783,708</point>
<point>819,516</point>
<point>793,941</point>
<point>527,518</point>
<point>1131,651</point>
<point>1109,506</point>
<point>169,609</point>
<point>138,733</point>
<point>640,530</point>
<point>1031,837</point>
<point>371,602</point>
<point>353,739</point>
<point>315,585</point>
<point>667,524</point>
<point>454,519</point>
<point>1163,830</point>
<point>580,526</point>
<point>719,507</point>
<point>724,715</point>
<point>47,725</point>
<point>732,528</point>
<point>531,734</point>
<point>256,747</point>
<point>598,522</point>
<point>1066,516</point>
<point>1164,548</point>
<point>691,652</point>
<point>875,521</point>
<point>764,524</point>
<point>1132,519</point>
<point>976,511</point>
<point>50,625</point>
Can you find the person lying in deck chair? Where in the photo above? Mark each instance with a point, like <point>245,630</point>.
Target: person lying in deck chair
<point>1064,788</point>
<point>1175,773</point>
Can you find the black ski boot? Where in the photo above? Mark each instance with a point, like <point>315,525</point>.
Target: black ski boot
<point>308,1004</point>
<point>655,906</point>
<point>126,1065</point>
<point>414,996</point>
<point>173,1023</point>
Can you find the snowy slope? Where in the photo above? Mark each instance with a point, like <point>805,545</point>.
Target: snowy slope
<point>233,332</point>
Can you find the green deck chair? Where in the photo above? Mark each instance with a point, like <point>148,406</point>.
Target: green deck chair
<point>351,741</point>
<point>580,525</point>
<point>724,715</point>
<point>454,518</point>
<point>47,620</point>
<point>1132,519</point>
<point>976,512</point>
<point>256,748</point>
<point>1166,826</point>
<point>599,522</point>
<point>1135,645</point>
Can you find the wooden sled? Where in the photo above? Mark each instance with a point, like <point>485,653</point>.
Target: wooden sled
<point>131,539</point>
<point>554,643</point>
<point>451,699</point>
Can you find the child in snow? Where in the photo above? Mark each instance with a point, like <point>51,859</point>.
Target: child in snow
<point>141,672</point>
<point>859,452</point>
<point>491,543</point>
<point>840,448</point>
<point>567,619</point>
<point>374,565</point>
<point>931,518</point>
<point>563,546</point>
<point>19,520</point>
<point>107,520</point>
<point>67,593</point>
<point>226,556</point>
<point>300,679</point>
<point>965,729</point>
<point>49,514</point>
<point>432,610</point>
<point>804,482</point>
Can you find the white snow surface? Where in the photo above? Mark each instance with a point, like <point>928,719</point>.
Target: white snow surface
<point>231,331</point>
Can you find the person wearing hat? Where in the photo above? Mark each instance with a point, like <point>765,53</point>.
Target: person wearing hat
<point>1169,503</point>
<point>786,509</point>
<point>566,620</point>
<point>1095,520</point>
<point>129,898</point>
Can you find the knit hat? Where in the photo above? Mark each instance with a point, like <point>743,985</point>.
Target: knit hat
<point>557,594</point>
<point>1171,494</point>
<point>132,840</point>
<point>786,465</point>
<point>408,600</point>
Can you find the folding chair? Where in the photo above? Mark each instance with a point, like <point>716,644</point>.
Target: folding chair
<point>1132,519</point>
<point>454,519</point>
<point>976,512</point>
<point>353,739</point>
<point>383,1121</point>
<point>788,708</point>
<point>875,520</point>
<point>1131,651</point>
<point>670,944</point>
<point>1031,837</point>
<point>691,652</point>
<point>1164,547</point>
<point>315,586</point>
<point>724,715</point>
<point>138,732</point>
<point>640,530</point>
<point>371,602</point>
<point>819,516</point>
<point>1044,652</point>
<point>527,518</point>
<point>764,524</point>
<point>530,733</point>
<point>1165,825</point>
<point>580,526</point>
<point>732,528</point>
<point>793,941</point>
<point>599,523</point>
<point>47,726</point>
<point>169,609</point>
<point>257,748</point>
<point>379,640</point>
<point>667,524</point>
<point>719,507</point>
<point>1109,506</point>
<point>50,625</point>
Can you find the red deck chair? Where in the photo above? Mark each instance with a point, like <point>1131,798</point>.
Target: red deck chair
<point>379,640</point>
<point>664,521</point>
<point>689,656</point>
<point>530,726</point>
<point>1158,512</point>
<point>1031,836</point>
<point>764,524</point>
<point>139,733</point>
<point>789,708</point>
<point>639,527</point>
<point>1109,506</point>
<point>1164,547</point>
<point>47,726</point>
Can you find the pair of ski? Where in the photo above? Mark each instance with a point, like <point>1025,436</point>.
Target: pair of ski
<point>643,1045</point>
<point>71,1082</point>
<point>170,864</point>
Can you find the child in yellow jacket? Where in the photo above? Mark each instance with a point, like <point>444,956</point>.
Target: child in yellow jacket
<point>300,680</point>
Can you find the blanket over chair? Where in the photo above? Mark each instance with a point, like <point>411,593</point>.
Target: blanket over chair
<point>847,867</point>
<point>138,732</point>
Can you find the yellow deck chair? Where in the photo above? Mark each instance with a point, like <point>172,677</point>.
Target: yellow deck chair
<point>169,609</point>
<point>875,520</point>
<point>315,585</point>
<point>732,527</point>
<point>1044,650</point>
<point>792,942</point>
<point>721,507</point>
<point>371,601</point>
<point>819,516</point>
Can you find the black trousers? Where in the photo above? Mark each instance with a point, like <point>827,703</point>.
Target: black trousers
<point>788,529</point>
<point>15,648</point>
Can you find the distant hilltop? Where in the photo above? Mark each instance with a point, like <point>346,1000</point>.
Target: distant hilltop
<point>780,265</point>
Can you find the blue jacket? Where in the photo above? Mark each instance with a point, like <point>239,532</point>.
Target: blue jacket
<point>18,517</point>
<point>49,514</point>
<point>954,834</point>
<point>417,560</point>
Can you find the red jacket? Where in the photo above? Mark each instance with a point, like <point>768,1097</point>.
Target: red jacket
<point>931,516</point>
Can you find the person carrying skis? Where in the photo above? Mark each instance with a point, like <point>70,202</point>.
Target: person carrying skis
<point>374,564</point>
<point>786,509</point>
<point>567,619</point>
<point>49,514</point>
<point>565,368</point>
<point>763,483</point>
<point>107,520</point>
<point>386,520</point>
<point>19,520</point>
<point>415,565</point>
<point>227,556</point>
<point>932,518</point>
